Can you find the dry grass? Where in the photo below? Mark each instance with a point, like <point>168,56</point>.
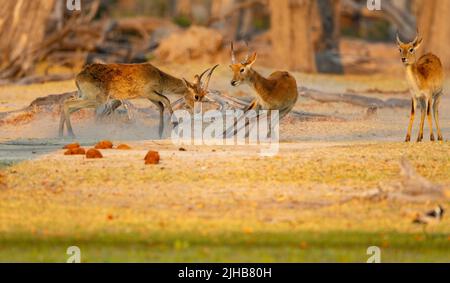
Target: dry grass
<point>223,203</point>
<point>206,193</point>
<point>222,190</point>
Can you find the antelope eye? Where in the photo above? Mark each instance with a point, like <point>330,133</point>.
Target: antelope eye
<point>411,50</point>
<point>242,70</point>
<point>400,50</point>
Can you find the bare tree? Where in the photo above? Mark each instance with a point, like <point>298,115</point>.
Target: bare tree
<point>32,30</point>
<point>22,26</point>
<point>235,17</point>
<point>328,58</point>
<point>291,34</point>
<point>433,25</point>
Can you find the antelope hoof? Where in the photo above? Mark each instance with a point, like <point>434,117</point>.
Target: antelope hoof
<point>432,138</point>
<point>408,138</point>
<point>440,138</point>
<point>419,139</point>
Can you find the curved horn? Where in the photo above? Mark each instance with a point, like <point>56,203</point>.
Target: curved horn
<point>417,37</point>
<point>188,84</point>
<point>209,76</point>
<point>399,41</point>
<point>199,82</point>
<point>233,54</point>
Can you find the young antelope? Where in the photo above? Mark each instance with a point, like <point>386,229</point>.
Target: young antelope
<point>425,77</point>
<point>277,92</point>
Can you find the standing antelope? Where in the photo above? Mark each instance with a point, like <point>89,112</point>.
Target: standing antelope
<point>425,78</point>
<point>98,83</point>
<point>277,92</point>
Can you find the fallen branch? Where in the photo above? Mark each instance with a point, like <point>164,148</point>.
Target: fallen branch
<point>51,100</point>
<point>378,91</point>
<point>412,188</point>
<point>226,101</point>
<point>47,101</point>
<point>358,100</point>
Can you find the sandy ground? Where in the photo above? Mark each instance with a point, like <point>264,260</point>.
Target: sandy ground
<point>313,183</point>
<point>389,125</point>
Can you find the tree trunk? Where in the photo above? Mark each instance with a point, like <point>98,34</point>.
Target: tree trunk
<point>433,26</point>
<point>328,57</point>
<point>183,8</point>
<point>234,17</point>
<point>23,25</point>
<point>245,23</point>
<point>291,34</point>
<point>220,8</point>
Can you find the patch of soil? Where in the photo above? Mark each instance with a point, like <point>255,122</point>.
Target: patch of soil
<point>72,146</point>
<point>123,147</point>
<point>152,158</point>
<point>93,154</point>
<point>104,145</point>
<point>75,151</point>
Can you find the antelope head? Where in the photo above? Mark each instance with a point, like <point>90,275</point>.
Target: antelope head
<point>408,50</point>
<point>198,90</point>
<point>241,70</point>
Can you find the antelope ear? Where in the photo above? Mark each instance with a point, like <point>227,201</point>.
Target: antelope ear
<point>251,60</point>
<point>196,80</point>
<point>187,84</point>
<point>418,43</point>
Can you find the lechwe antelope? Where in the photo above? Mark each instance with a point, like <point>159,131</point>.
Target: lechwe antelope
<point>277,92</point>
<point>425,77</point>
<point>99,83</point>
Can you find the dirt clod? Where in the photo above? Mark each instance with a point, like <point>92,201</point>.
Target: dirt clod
<point>123,147</point>
<point>152,157</point>
<point>104,145</point>
<point>93,153</point>
<point>75,151</point>
<point>71,146</point>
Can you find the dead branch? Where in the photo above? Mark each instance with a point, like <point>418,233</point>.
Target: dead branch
<point>358,100</point>
<point>50,101</point>
<point>79,40</point>
<point>413,187</point>
<point>225,102</point>
<point>228,102</point>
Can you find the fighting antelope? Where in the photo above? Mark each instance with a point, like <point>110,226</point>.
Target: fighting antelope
<point>99,83</point>
<point>425,78</point>
<point>277,92</point>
